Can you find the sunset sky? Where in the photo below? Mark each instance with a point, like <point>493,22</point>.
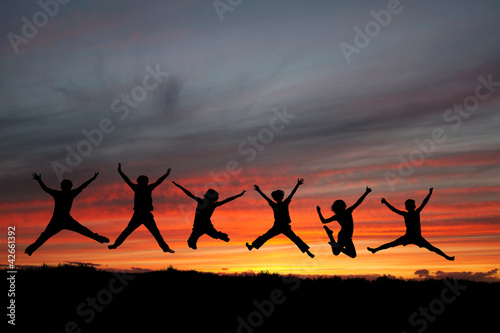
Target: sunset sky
<point>399,96</point>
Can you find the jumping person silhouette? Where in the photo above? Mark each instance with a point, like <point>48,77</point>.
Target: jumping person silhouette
<point>413,233</point>
<point>61,218</point>
<point>202,224</point>
<point>343,216</point>
<point>281,220</point>
<point>143,205</point>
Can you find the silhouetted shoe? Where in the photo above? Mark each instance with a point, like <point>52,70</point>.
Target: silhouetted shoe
<point>310,254</point>
<point>249,246</point>
<point>112,247</point>
<point>28,252</point>
<point>225,238</point>
<point>169,250</point>
<point>371,250</point>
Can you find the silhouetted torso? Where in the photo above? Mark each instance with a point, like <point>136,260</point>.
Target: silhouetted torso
<point>412,223</point>
<point>143,200</point>
<point>204,211</point>
<point>63,200</point>
<point>281,212</point>
<point>346,222</point>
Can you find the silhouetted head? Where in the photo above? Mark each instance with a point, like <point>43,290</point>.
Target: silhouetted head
<point>66,185</point>
<point>338,206</point>
<point>278,195</point>
<point>212,195</point>
<point>142,180</point>
<point>410,205</point>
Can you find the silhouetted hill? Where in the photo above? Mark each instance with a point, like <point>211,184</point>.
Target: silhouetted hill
<point>82,299</point>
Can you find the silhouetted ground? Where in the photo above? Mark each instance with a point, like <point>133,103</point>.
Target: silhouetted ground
<point>83,299</point>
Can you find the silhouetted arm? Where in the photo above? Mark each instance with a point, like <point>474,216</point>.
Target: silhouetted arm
<point>397,211</point>
<point>323,220</point>
<point>262,194</point>
<point>360,200</point>
<point>426,200</point>
<point>38,178</point>
<point>161,179</point>
<point>231,198</point>
<point>299,182</point>
<point>189,194</point>
<point>125,178</point>
<point>84,185</point>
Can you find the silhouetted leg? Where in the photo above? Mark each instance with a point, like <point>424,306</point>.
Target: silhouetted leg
<point>330,234</point>
<point>296,239</point>
<point>134,223</point>
<point>348,248</point>
<point>50,230</point>
<point>257,243</point>
<point>73,225</point>
<point>210,231</point>
<point>193,239</point>
<point>400,241</point>
<point>150,224</point>
<point>424,243</point>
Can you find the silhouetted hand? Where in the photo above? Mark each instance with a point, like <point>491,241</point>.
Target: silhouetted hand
<point>95,175</point>
<point>368,190</point>
<point>384,201</point>
<point>244,191</point>
<point>431,189</point>
<point>300,181</point>
<point>318,209</point>
<point>255,187</point>
<point>168,171</point>
<point>36,176</point>
<point>119,167</point>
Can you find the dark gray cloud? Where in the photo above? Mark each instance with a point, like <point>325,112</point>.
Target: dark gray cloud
<point>226,77</point>
<point>489,276</point>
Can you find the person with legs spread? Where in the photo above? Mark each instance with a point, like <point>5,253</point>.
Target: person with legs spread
<point>343,216</point>
<point>143,205</point>
<point>281,220</point>
<point>61,218</point>
<point>413,233</point>
<point>202,220</point>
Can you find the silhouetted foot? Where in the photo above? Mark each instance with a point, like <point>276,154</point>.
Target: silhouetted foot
<point>310,254</point>
<point>335,247</point>
<point>169,250</point>
<point>112,247</point>
<point>225,238</point>
<point>192,246</point>
<point>102,239</point>
<point>371,250</point>
<point>328,231</point>
<point>28,252</point>
<point>450,258</point>
<point>249,246</point>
